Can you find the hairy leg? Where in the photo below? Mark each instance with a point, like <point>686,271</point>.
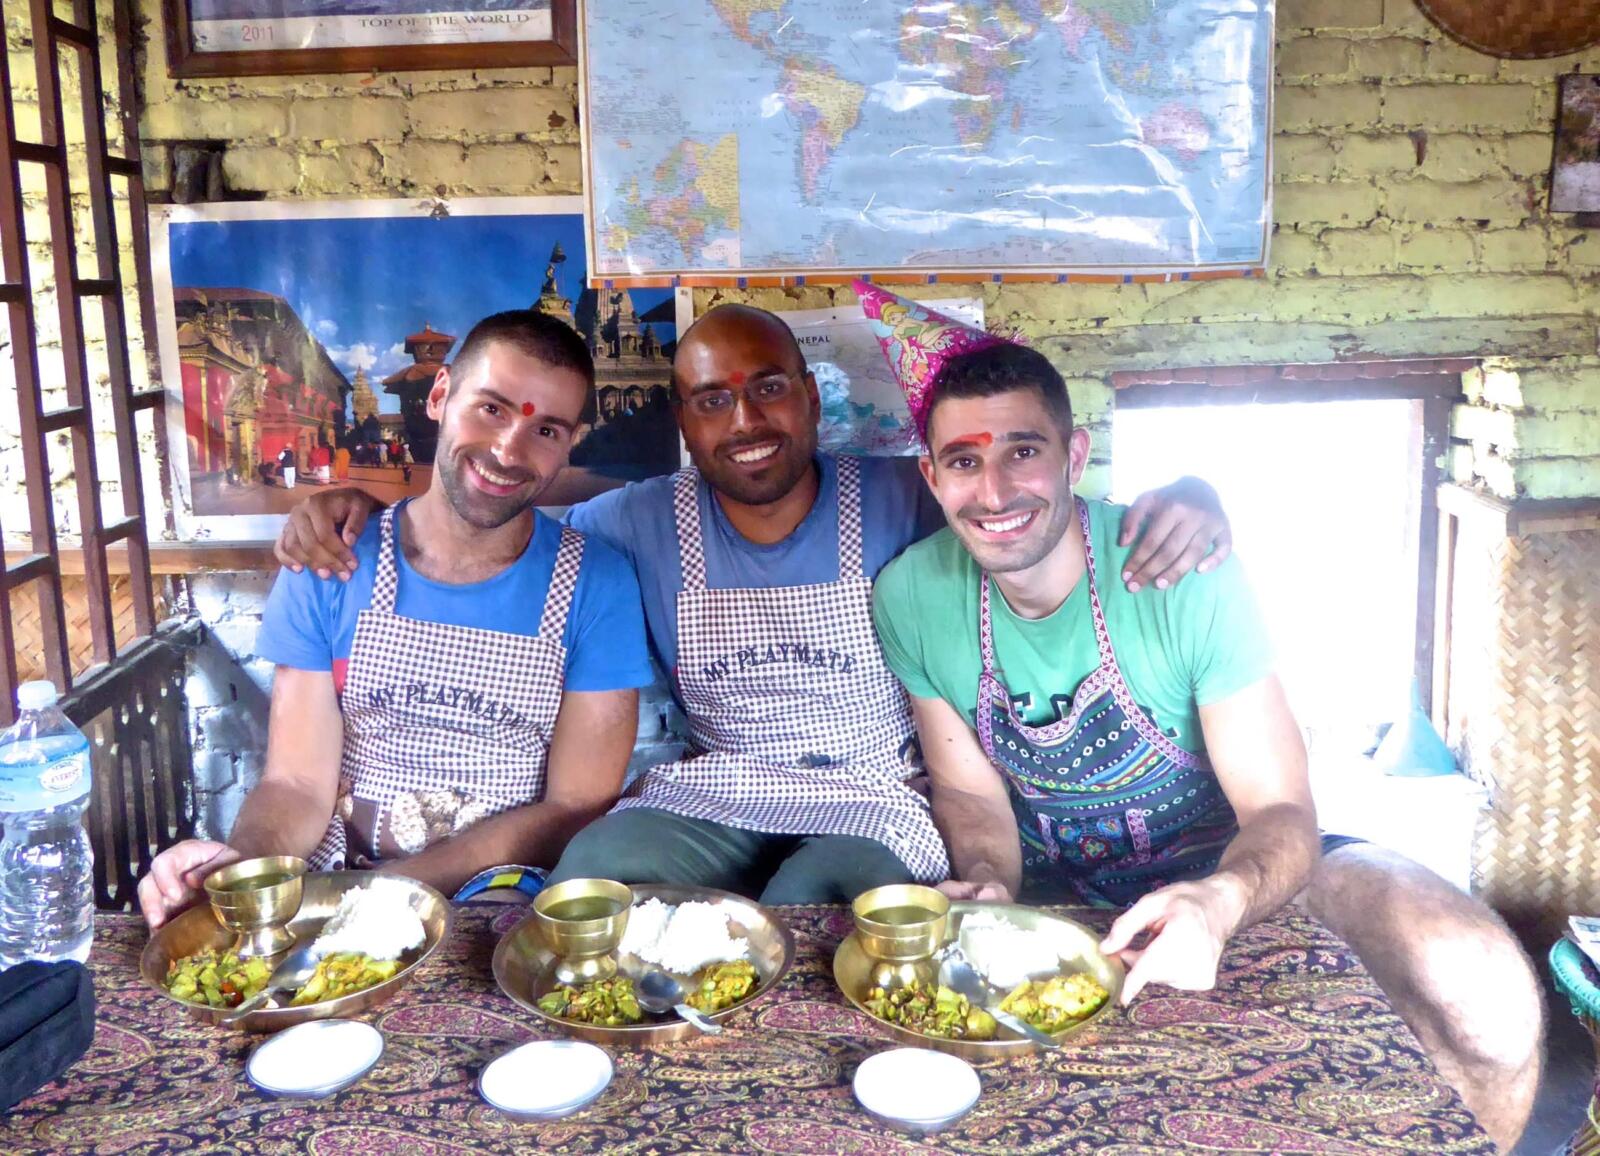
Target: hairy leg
<point>1451,968</point>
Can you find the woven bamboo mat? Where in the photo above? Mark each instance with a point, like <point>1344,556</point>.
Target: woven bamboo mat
<point>1525,688</point>
<point>29,633</point>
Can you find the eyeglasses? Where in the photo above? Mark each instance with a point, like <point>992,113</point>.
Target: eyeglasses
<point>763,391</point>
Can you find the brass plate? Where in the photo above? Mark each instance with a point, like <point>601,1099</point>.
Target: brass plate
<point>197,929</point>
<point>1078,946</point>
<point>524,966</point>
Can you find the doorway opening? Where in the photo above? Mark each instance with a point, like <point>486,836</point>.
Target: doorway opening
<point>1331,491</point>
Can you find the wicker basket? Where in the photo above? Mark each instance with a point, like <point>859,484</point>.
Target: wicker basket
<point>1522,29</point>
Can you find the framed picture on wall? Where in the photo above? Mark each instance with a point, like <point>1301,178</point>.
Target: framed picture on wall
<point>1575,177</point>
<point>277,37</point>
<point>299,343</point>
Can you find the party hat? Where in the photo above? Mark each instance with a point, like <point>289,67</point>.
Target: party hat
<point>918,343</point>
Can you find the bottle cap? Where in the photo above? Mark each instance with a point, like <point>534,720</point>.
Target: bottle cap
<point>36,695</point>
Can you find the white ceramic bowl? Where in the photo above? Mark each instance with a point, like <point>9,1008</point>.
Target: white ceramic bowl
<point>315,1059</point>
<point>916,1089</point>
<point>546,1079</point>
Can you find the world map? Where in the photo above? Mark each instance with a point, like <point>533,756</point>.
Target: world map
<point>795,136</point>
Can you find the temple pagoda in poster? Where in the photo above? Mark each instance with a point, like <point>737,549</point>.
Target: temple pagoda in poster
<point>428,349</point>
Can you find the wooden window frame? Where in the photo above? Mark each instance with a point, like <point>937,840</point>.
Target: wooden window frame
<point>1432,384</point>
<point>40,565</point>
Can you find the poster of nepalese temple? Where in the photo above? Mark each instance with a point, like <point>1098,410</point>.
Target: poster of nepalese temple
<point>306,347</point>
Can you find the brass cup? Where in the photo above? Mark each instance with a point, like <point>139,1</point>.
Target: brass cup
<point>890,976</point>
<point>585,948</point>
<point>901,952</point>
<point>259,916</point>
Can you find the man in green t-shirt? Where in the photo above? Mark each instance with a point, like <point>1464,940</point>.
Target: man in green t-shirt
<point>1141,744</point>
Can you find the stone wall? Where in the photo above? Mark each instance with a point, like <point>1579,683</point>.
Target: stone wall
<point>1411,183</point>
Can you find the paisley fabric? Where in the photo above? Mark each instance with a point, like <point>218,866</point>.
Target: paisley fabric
<point>1296,1052</point>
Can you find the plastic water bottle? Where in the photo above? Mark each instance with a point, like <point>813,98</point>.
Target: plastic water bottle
<point>46,864</point>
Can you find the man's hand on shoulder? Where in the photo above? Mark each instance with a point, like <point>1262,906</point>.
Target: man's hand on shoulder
<point>321,530</point>
<point>176,875</point>
<point>1189,924</point>
<point>1178,528</point>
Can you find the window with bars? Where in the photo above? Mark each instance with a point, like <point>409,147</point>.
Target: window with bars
<point>82,437</point>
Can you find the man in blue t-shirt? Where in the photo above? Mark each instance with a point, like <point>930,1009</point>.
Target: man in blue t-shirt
<point>471,698</point>
<point>756,569</point>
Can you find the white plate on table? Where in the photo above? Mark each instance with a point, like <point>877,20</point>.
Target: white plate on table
<point>546,1079</point>
<point>314,1060</point>
<point>916,1089</point>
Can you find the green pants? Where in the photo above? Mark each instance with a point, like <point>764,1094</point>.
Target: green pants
<point>645,845</point>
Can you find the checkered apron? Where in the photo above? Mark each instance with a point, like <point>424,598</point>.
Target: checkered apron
<point>1107,805</point>
<point>800,726</point>
<point>443,725</point>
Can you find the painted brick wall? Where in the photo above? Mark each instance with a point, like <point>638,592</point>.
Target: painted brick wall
<point>1411,180</point>
<point>1410,190</point>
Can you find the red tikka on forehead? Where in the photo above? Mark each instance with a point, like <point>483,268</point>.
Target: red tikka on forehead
<point>527,409</point>
<point>736,377</point>
<point>966,441</point>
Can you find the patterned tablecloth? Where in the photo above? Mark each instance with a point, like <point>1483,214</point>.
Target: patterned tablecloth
<point>1295,1052</point>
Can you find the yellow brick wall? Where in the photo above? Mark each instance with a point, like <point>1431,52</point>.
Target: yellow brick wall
<point>1411,182</point>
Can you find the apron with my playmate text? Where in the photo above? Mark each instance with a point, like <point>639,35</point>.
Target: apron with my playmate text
<point>443,725</point>
<point>798,724</point>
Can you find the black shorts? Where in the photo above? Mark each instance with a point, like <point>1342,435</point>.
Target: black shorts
<point>1331,842</point>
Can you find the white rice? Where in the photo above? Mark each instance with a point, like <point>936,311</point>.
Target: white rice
<point>681,939</point>
<point>376,920</point>
<point>646,922</point>
<point>1004,953</point>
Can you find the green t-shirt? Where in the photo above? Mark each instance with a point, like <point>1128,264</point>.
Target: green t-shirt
<point>1192,644</point>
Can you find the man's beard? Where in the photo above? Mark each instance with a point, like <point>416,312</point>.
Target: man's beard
<point>782,474</point>
<point>1026,552</point>
<point>472,505</point>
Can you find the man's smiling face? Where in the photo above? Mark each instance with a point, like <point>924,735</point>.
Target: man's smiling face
<point>1003,471</point>
<point>505,431</point>
<point>746,405</point>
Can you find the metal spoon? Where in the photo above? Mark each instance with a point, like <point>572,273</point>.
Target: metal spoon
<point>962,978</point>
<point>657,991</point>
<point>289,975</point>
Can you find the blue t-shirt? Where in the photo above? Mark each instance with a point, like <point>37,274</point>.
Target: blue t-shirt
<point>896,510</point>
<point>309,624</point>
